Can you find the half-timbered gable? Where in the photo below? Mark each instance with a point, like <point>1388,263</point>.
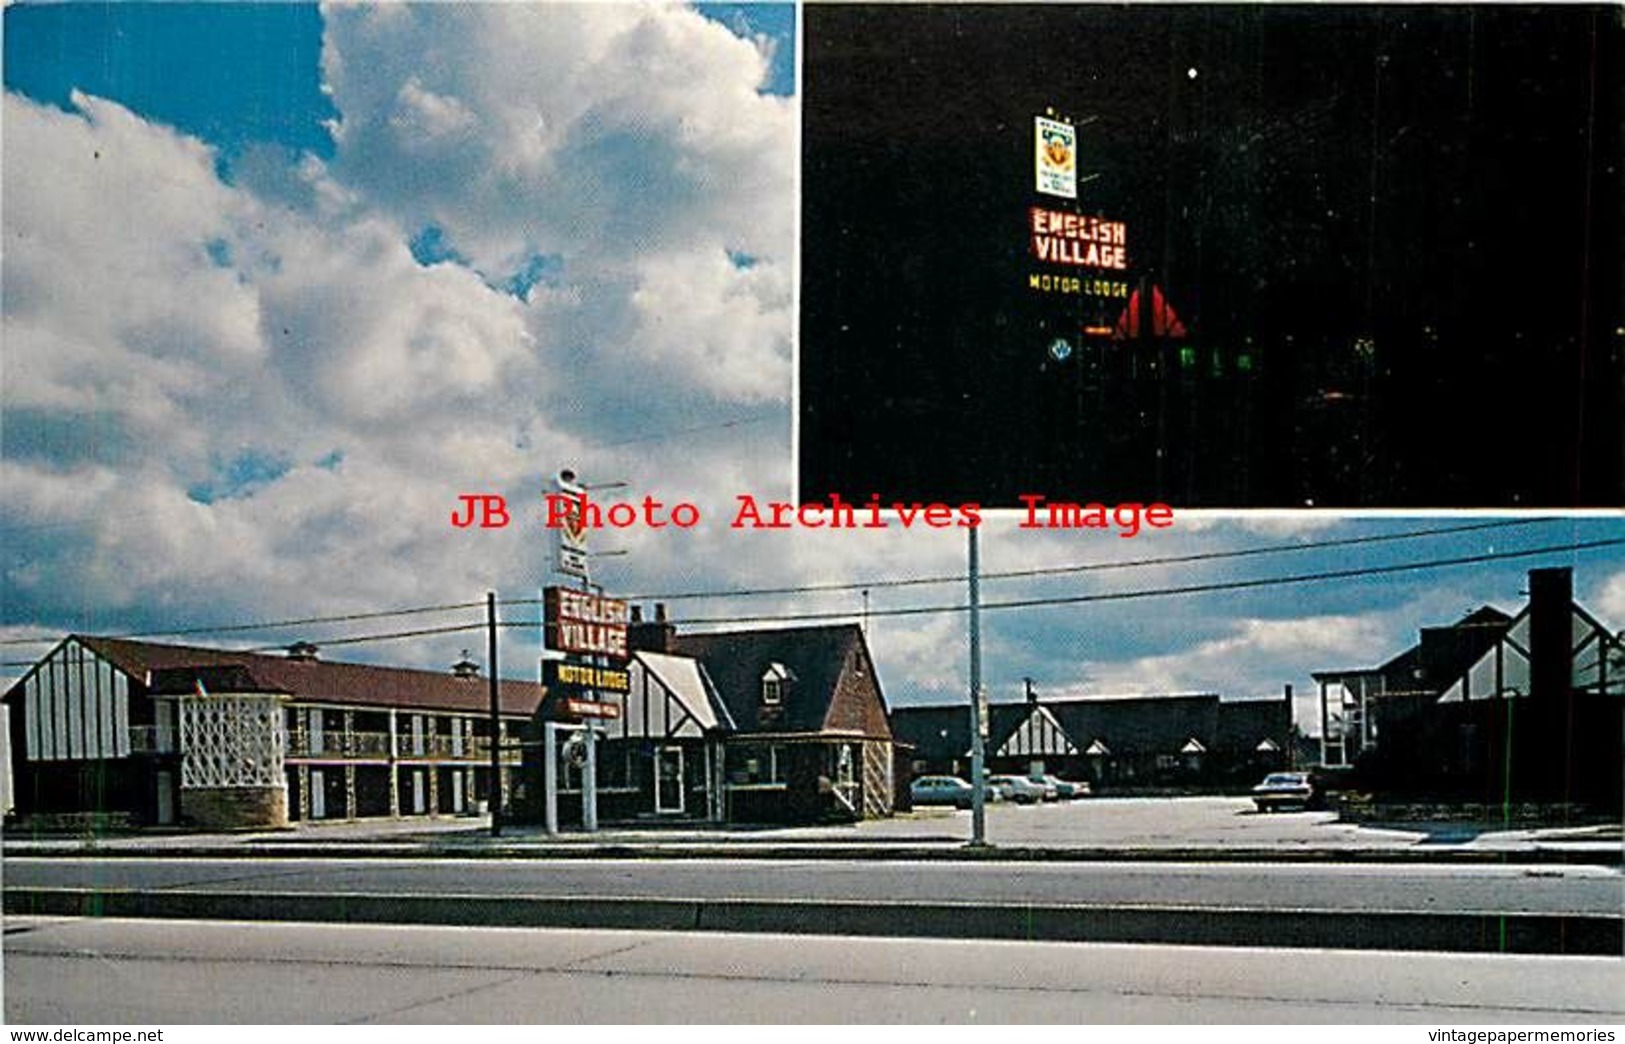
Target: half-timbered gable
<point>810,736</point>
<point>150,732</point>
<point>1037,736</point>
<point>1492,708</point>
<point>1125,742</point>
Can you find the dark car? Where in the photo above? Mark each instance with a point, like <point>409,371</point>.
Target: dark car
<point>1284,790</point>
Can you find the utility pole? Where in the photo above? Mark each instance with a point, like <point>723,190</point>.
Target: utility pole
<point>978,712</point>
<point>496,714</point>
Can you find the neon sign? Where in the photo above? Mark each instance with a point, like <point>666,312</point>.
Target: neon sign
<point>1078,239</point>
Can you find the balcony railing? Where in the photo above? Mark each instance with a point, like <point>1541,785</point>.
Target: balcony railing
<point>375,745</point>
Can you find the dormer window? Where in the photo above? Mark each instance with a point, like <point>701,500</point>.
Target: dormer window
<point>773,680</point>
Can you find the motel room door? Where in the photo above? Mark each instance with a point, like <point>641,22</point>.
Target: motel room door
<point>669,779</point>
<point>164,814</point>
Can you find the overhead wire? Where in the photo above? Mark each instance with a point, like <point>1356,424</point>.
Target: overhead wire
<point>1013,574</point>
<point>268,625</point>
<point>809,617</point>
<point>391,636</point>
<point>1223,585</point>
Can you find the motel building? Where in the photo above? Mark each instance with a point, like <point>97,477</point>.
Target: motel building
<point>163,735</point>
<point>1495,709</point>
<point>1119,744</point>
<point>762,726</point>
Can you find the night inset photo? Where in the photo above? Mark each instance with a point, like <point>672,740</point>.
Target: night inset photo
<point>1214,256</point>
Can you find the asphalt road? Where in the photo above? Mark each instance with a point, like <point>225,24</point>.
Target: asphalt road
<point>1423,888</point>
<point>137,973</point>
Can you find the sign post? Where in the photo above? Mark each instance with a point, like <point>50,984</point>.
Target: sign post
<point>978,702</point>
<point>495,693</point>
<point>590,630</point>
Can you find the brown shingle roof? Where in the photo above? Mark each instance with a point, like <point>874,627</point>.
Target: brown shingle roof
<point>815,657</point>
<point>314,681</point>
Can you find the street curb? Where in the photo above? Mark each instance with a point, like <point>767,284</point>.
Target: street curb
<point>1190,926</point>
<point>1600,855</point>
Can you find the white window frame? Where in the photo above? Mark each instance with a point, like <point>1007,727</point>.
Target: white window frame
<point>773,680</point>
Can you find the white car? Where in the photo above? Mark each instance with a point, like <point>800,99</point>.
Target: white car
<point>1065,789</point>
<point>1017,789</point>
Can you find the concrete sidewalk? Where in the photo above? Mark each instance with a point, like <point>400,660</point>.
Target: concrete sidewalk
<point>1183,829</point>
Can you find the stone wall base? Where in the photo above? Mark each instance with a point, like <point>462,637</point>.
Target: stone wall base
<point>235,808</point>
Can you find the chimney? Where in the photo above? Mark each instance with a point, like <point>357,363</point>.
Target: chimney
<point>1551,639</point>
<point>303,652</point>
<point>1032,694</point>
<point>658,635</point>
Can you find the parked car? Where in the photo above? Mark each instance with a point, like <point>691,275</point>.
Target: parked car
<point>1023,791</point>
<point>949,790</point>
<point>941,790</point>
<point>1051,791</point>
<point>1284,790</point>
<point>1065,789</point>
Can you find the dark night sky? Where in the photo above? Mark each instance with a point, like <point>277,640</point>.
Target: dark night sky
<point>1439,184</point>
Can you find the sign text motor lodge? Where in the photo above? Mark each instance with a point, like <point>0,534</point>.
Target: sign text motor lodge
<point>556,674</point>
<point>578,622</point>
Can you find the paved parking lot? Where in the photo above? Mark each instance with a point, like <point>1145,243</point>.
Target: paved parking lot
<point>1199,823</point>
<point>1134,822</point>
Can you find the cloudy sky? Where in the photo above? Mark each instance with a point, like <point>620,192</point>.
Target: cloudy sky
<point>281,283</point>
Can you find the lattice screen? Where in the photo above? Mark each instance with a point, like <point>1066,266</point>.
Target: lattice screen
<point>232,741</point>
<point>877,779</point>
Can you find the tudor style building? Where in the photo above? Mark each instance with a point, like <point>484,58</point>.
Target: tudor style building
<point>811,739</point>
<point>767,726</point>
<point>1114,742</point>
<point>165,734</point>
<point>750,726</point>
<point>1493,708</point>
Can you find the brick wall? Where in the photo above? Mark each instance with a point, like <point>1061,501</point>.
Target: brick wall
<point>234,808</point>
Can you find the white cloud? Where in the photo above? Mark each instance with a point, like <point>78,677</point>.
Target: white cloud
<point>360,327</point>
<point>700,319</point>
<point>1238,662</point>
<point>606,130</point>
<point>164,326</point>
<point>109,226</point>
<point>1608,601</point>
<point>425,120</point>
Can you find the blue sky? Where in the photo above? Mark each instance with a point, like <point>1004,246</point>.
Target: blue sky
<point>237,74</point>
<point>232,74</point>
<point>280,286</point>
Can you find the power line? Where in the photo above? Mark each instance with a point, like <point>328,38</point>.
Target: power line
<point>270,625</point>
<point>741,422</point>
<point>1027,603</point>
<point>1082,568</point>
<point>391,636</point>
<point>353,640</point>
<point>916,581</point>
<point>1120,596</point>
